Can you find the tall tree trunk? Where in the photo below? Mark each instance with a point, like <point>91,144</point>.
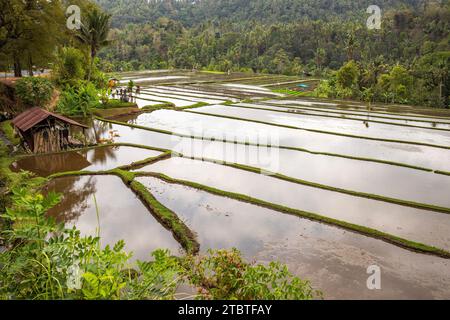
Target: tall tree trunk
<point>30,65</point>
<point>93,55</point>
<point>17,66</point>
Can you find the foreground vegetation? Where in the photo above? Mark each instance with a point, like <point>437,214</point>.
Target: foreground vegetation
<point>44,260</point>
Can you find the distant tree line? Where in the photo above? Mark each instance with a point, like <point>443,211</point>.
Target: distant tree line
<point>414,37</point>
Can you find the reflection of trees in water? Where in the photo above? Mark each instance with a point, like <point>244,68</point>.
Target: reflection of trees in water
<point>45,165</point>
<point>98,130</point>
<point>75,192</point>
<point>101,155</point>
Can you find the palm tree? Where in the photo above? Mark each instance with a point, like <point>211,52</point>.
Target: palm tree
<point>350,45</point>
<point>319,56</point>
<point>94,33</point>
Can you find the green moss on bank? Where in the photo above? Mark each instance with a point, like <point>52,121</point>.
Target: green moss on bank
<point>114,103</point>
<point>376,197</point>
<point>164,215</point>
<point>168,218</point>
<point>404,243</point>
<point>323,131</point>
<point>344,117</point>
<point>270,146</point>
<point>7,128</point>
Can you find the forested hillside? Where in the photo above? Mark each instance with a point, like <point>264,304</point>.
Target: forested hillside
<point>193,12</point>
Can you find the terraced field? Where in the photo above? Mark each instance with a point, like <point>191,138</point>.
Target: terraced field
<point>327,187</point>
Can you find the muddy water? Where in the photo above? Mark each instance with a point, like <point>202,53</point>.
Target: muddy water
<point>334,260</point>
<point>374,130</point>
<point>98,159</point>
<point>122,216</point>
<point>363,176</point>
<point>206,126</point>
<point>414,224</point>
<point>349,116</point>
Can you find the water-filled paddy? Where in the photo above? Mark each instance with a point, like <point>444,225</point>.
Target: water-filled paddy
<point>121,215</point>
<point>365,176</point>
<point>334,260</point>
<point>171,94</point>
<point>363,111</point>
<point>373,130</point>
<point>421,225</point>
<point>397,111</point>
<point>349,116</point>
<point>206,126</point>
<point>97,159</point>
<point>153,79</point>
<point>176,102</point>
<point>196,92</point>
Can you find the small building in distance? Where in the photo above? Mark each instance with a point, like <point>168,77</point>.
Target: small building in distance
<point>43,131</point>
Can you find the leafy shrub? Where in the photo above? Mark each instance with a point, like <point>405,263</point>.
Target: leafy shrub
<point>70,66</point>
<point>50,262</point>
<point>34,91</point>
<point>43,260</point>
<point>78,100</point>
<point>224,275</point>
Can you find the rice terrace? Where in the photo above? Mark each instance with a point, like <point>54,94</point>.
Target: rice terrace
<point>210,166</point>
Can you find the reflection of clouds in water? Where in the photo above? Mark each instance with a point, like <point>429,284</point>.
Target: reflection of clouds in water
<point>419,155</point>
<point>335,260</point>
<point>376,130</point>
<point>122,215</point>
<point>416,224</point>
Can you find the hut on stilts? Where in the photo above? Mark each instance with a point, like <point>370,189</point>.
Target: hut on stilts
<point>43,131</point>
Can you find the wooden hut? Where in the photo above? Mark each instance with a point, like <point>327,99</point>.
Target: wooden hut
<point>43,131</point>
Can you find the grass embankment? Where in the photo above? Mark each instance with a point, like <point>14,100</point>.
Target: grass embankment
<point>140,164</point>
<point>378,109</point>
<point>171,106</point>
<point>212,72</point>
<point>363,113</point>
<point>186,237</point>
<point>115,108</point>
<point>164,215</point>
<point>8,130</point>
<point>279,176</point>
<point>393,163</point>
<point>404,243</point>
<point>168,218</point>
<point>341,117</point>
<point>290,92</point>
<point>106,145</point>
<point>10,180</point>
<point>323,131</point>
<point>183,95</point>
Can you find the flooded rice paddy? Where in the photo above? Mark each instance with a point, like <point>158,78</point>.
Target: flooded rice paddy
<point>233,130</point>
<point>361,128</point>
<point>424,226</point>
<point>121,215</point>
<point>98,159</point>
<point>334,260</point>
<point>333,173</point>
